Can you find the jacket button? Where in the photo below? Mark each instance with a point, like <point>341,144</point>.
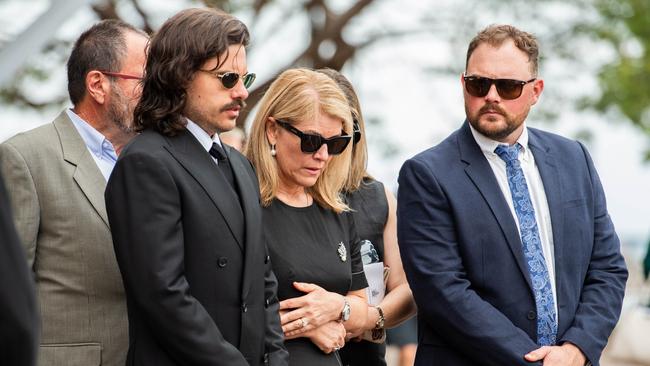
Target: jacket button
<point>244,307</point>
<point>267,259</point>
<point>267,303</point>
<point>222,262</point>
<point>531,315</point>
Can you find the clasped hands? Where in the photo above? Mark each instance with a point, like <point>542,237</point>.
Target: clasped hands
<point>314,315</point>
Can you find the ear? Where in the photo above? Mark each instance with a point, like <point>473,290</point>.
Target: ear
<point>97,86</point>
<point>271,130</point>
<point>538,87</point>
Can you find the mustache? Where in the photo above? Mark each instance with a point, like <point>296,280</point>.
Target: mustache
<point>491,107</point>
<point>235,103</point>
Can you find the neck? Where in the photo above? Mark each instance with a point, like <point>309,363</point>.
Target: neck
<point>116,135</point>
<point>296,196</point>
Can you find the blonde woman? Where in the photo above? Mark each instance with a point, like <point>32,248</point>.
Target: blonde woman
<point>376,222</point>
<point>300,145</point>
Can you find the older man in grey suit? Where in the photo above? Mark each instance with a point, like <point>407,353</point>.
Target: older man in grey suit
<point>56,175</point>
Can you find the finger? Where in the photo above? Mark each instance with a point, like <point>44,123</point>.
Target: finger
<point>537,354</point>
<point>306,287</point>
<point>294,325</point>
<point>292,303</point>
<point>291,316</point>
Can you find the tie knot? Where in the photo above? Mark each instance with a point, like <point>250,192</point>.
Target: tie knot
<point>217,152</point>
<point>508,153</point>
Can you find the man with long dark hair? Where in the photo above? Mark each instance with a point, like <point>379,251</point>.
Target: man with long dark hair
<point>184,208</point>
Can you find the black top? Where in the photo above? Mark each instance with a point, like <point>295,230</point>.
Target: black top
<point>370,216</point>
<point>315,245</point>
<point>370,212</point>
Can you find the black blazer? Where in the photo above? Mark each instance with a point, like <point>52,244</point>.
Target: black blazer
<point>18,316</point>
<point>197,275</point>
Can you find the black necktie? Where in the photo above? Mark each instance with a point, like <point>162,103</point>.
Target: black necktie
<point>224,165</point>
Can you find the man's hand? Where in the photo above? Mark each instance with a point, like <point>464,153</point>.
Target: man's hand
<point>565,355</point>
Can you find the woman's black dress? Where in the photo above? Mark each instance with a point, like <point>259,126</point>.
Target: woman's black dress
<point>370,216</point>
<point>314,245</point>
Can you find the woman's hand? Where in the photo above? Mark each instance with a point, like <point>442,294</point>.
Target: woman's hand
<point>329,337</point>
<point>310,311</point>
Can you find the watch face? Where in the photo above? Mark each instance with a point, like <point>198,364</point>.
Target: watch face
<point>345,314</point>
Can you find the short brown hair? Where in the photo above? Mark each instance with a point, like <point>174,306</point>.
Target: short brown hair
<point>177,51</point>
<point>496,34</point>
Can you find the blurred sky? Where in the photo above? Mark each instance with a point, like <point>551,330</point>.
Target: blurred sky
<point>416,108</point>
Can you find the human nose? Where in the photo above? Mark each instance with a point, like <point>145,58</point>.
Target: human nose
<point>322,153</point>
<point>493,94</point>
<point>239,91</point>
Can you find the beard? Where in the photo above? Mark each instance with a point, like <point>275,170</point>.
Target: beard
<point>120,112</point>
<point>491,127</point>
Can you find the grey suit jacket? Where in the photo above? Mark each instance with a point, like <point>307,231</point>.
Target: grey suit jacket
<point>57,196</point>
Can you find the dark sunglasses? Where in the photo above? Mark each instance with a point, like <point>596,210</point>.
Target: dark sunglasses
<point>230,79</point>
<point>478,86</point>
<point>310,143</point>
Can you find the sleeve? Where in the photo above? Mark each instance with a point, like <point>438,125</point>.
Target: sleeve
<point>434,268</point>
<point>23,198</point>
<point>358,276</point>
<point>18,312</point>
<point>277,353</point>
<point>144,210</point>
<point>604,284</point>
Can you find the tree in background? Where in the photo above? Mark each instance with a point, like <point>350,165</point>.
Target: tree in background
<point>338,33</point>
<point>625,83</point>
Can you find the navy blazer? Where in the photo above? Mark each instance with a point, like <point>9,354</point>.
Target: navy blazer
<point>464,260</point>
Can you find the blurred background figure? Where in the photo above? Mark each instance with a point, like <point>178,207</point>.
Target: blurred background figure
<point>235,138</point>
<point>403,340</point>
<point>18,314</point>
<point>376,223</point>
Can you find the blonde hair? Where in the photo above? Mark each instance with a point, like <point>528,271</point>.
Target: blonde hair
<point>299,95</point>
<point>359,165</point>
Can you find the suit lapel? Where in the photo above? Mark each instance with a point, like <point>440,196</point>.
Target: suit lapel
<point>198,163</point>
<point>249,197</point>
<point>547,167</point>
<point>86,174</point>
<point>479,171</point>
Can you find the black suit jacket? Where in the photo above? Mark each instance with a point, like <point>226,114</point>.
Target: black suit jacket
<point>18,316</point>
<point>197,275</point>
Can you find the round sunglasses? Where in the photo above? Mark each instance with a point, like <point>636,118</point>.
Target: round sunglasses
<point>310,143</point>
<point>230,79</point>
<point>478,86</point>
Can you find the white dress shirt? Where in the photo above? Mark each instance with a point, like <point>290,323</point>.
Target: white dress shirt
<point>204,139</point>
<point>99,147</point>
<point>535,189</point>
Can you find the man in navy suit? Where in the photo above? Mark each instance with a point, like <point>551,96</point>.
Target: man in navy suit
<point>504,231</point>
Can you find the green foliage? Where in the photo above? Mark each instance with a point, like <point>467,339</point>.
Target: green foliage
<point>625,83</point>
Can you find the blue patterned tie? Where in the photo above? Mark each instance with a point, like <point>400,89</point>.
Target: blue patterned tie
<point>546,320</point>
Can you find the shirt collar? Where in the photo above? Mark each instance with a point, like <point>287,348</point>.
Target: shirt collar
<point>97,143</point>
<point>204,139</point>
<point>488,145</point>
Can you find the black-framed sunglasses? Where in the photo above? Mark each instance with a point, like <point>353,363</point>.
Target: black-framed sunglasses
<point>230,79</point>
<point>478,86</point>
<point>310,143</point>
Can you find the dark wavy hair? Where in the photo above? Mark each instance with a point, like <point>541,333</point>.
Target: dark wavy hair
<point>177,51</point>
